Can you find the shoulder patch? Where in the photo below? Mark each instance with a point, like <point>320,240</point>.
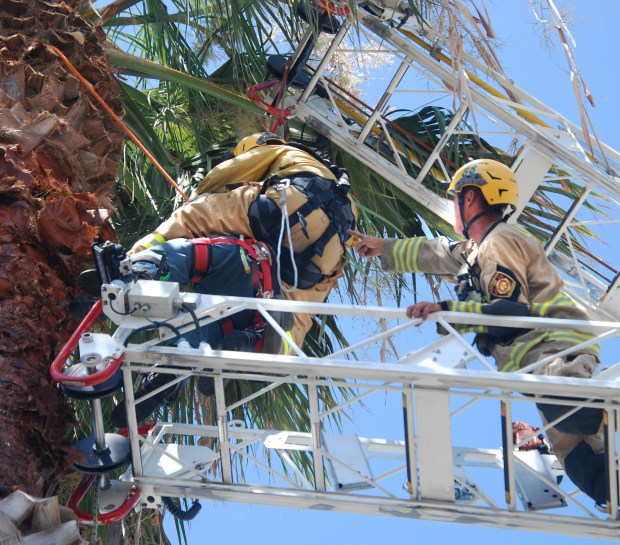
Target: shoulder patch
<point>504,285</point>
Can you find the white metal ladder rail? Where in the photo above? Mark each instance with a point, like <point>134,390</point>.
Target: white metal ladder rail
<point>418,472</point>
<point>550,146</point>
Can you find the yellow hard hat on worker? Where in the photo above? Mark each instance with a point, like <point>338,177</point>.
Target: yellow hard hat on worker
<point>257,139</point>
<point>497,183</point>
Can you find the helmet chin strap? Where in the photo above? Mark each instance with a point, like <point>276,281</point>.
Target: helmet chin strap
<point>467,226</point>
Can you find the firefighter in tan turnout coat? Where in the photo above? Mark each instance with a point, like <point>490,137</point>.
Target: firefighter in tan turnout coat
<point>504,271</point>
<point>279,185</point>
<point>272,220</point>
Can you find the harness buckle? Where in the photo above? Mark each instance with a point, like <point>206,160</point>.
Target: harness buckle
<point>262,251</point>
<point>282,184</point>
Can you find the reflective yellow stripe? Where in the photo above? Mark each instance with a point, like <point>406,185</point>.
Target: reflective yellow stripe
<point>397,253</point>
<point>541,309</point>
<point>401,249</point>
<point>474,307</point>
<point>406,253</point>
<point>509,367</point>
<point>565,301</point>
<point>414,258</point>
<point>468,306</point>
<point>519,352</point>
<point>286,348</point>
<point>469,328</point>
<point>574,337</point>
<point>153,240</point>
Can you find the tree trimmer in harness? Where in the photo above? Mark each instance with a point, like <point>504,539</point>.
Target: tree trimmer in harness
<point>215,266</point>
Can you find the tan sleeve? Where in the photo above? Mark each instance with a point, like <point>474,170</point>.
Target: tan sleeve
<point>418,254</point>
<point>257,164</point>
<point>248,167</point>
<point>206,216</point>
<point>387,255</point>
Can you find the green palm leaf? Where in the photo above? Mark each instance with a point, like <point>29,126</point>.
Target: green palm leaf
<point>184,68</point>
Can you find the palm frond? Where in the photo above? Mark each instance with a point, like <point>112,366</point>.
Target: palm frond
<point>185,66</point>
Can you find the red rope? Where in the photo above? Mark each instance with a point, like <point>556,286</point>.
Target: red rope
<point>118,120</point>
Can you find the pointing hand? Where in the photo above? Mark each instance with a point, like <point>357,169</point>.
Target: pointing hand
<point>366,245</point>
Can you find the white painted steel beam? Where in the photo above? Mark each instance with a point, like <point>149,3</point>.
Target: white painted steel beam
<point>419,472</point>
<point>551,144</point>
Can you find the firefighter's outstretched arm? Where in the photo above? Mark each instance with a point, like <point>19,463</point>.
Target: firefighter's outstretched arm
<point>367,245</point>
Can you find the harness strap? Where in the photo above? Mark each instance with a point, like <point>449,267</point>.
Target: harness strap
<point>226,325</point>
<point>319,245</point>
<point>261,277</point>
<point>201,258</point>
<point>265,218</point>
<point>323,194</point>
<point>260,269</point>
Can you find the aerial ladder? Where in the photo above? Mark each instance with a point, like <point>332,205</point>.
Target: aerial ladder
<point>456,455</point>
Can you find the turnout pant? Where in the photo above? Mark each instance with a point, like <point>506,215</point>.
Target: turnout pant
<point>577,440</point>
<point>227,274</point>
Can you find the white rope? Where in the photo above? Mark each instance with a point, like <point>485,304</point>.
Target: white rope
<point>282,186</point>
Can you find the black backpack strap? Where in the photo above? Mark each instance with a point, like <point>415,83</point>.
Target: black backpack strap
<point>265,217</point>
<point>308,273</point>
<point>324,194</point>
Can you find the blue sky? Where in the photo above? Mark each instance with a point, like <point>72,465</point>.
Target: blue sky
<point>529,64</point>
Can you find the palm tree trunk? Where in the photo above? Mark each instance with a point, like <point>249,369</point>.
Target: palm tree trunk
<point>59,155</point>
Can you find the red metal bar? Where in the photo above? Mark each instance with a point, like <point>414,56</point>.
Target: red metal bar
<point>273,111</point>
<point>59,361</point>
<point>337,8</point>
<point>104,518</point>
<point>142,430</point>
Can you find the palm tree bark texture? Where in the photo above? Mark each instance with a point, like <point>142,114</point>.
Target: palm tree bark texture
<point>59,155</point>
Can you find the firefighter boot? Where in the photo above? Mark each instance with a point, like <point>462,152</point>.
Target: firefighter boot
<point>237,340</point>
<point>146,408</point>
<point>273,342</point>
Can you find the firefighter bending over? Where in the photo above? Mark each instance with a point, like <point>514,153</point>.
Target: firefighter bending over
<point>507,274</point>
<point>288,199</point>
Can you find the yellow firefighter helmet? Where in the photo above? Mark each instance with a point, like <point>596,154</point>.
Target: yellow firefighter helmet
<point>255,140</point>
<point>495,180</point>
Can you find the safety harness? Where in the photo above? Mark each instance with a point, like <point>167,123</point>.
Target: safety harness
<point>321,193</point>
<point>259,266</point>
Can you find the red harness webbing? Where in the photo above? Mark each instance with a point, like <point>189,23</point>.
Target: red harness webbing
<point>200,263</point>
<point>261,277</point>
